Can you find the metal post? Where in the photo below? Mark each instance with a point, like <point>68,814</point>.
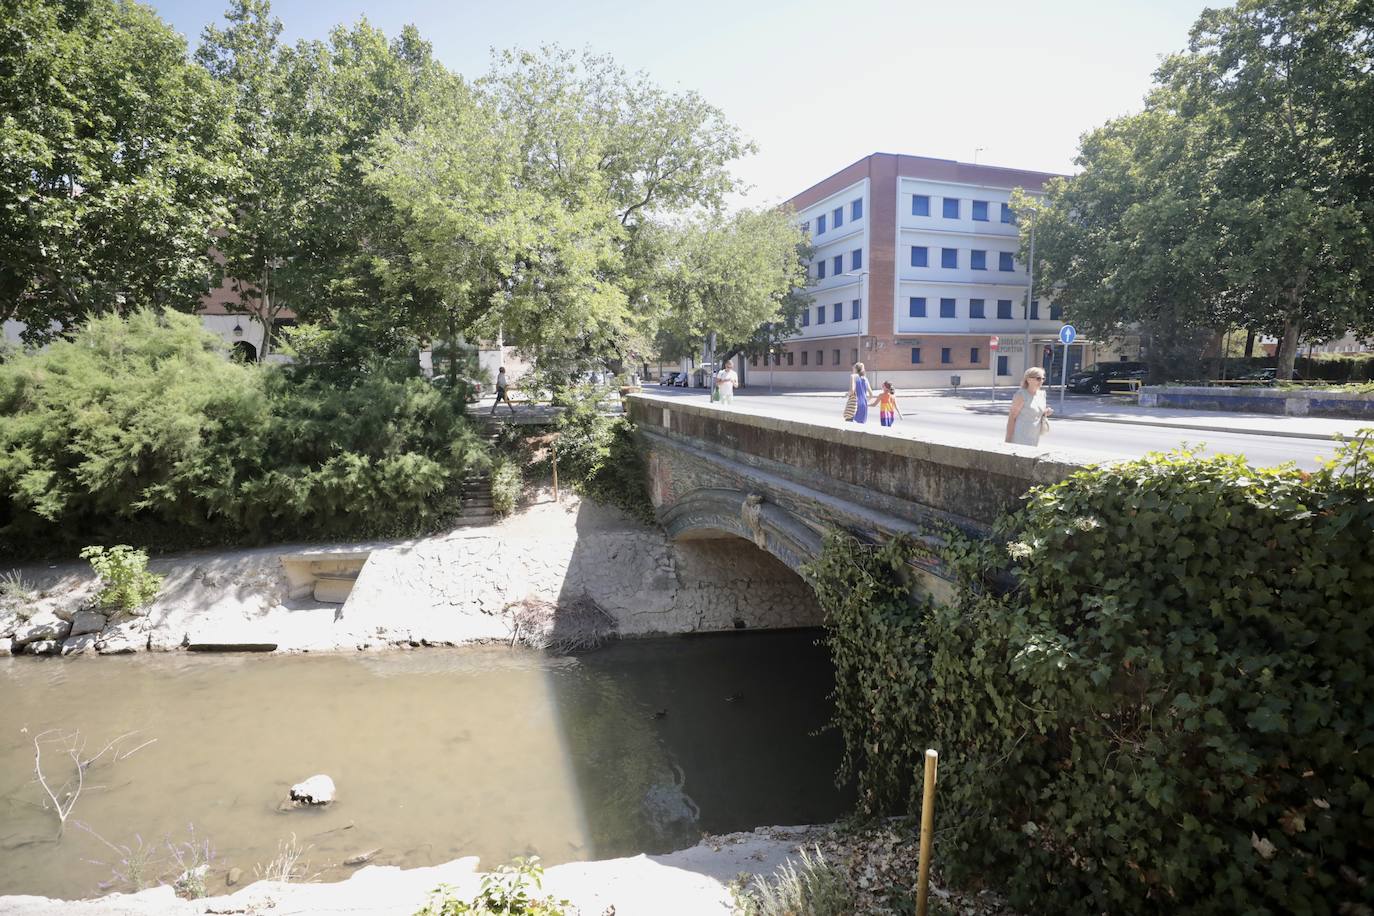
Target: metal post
<point>927,828</point>
<point>1064,376</point>
<point>1030,289</point>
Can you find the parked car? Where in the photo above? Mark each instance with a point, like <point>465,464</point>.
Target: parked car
<point>1096,378</point>
<point>1266,376</point>
<point>669,379</point>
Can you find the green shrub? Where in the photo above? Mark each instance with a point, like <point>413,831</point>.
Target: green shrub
<point>507,484</point>
<point>598,454</point>
<point>140,429</point>
<point>124,573</point>
<point>1173,708</point>
<point>813,888</point>
<point>509,891</point>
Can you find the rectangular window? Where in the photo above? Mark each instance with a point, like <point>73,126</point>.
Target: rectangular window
<point>820,357</point>
<point>980,211</point>
<point>920,257</point>
<point>915,356</point>
<point>1056,312</point>
<point>837,312</point>
<point>949,257</point>
<point>856,259</point>
<point>820,225</point>
<point>944,355</point>
<point>856,210</point>
<point>1035,310</point>
<point>820,314</point>
<point>837,217</point>
<point>916,308</point>
<point>806,318</point>
<point>856,309</point>
<point>978,260</point>
<point>837,264</point>
<point>1007,214</point>
<point>951,208</point>
<point>1004,309</point>
<point>975,308</point>
<point>1004,261</point>
<point>754,360</point>
<point>920,205</point>
<point>946,308</point>
<point>789,358</point>
<point>820,269</point>
<point>806,357</point>
<point>835,357</point>
<point>854,356</point>
<point>1002,367</point>
<point>973,355</point>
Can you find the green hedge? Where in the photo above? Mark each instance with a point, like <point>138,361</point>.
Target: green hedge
<point>140,430</point>
<point>1172,711</point>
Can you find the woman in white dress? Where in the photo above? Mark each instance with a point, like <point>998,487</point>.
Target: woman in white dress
<point>1028,409</point>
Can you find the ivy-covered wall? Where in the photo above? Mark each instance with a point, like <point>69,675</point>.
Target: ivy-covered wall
<point>1172,710</point>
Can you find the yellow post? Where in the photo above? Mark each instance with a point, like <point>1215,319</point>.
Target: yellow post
<point>555,471</point>
<point>927,826</point>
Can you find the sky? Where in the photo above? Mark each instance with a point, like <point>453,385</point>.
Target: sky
<point>817,85</point>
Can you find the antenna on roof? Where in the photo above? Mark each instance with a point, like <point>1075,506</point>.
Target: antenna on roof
<point>976,151</point>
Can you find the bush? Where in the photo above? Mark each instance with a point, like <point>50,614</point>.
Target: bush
<point>1172,709</point>
<point>124,573</point>
<point>140,429</point>
<point>598,454</point>
<point>507,484</point>
<point>508,891</point>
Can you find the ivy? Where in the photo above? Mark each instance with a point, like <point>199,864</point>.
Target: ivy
<point>1171,706</point>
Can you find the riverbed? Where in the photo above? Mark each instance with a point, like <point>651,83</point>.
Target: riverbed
<point>637,747</point>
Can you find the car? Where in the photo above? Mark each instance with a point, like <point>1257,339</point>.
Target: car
<point>1265,376</point>
<point>1097,378</point>
<point>669,379</point>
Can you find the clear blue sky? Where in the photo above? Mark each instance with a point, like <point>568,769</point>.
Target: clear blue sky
<point>816,84</point>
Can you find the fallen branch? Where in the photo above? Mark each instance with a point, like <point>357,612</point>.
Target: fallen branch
<point>66,796</point>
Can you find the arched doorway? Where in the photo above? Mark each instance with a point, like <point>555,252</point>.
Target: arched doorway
<point>244,352</point>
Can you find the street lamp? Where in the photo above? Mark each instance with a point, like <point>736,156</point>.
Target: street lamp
<point>863,310</point>
<point>1030,288</point>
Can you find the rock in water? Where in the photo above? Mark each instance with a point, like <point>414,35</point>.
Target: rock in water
<point>317,790</point>
<point>84,622</point>
<point>42,627</point>
<point>234,876</point>
<point>361,858</point>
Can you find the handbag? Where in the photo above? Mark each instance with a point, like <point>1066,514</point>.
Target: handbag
<point>851,406</point>
<point>715,392</point>
<point>1044,424</point>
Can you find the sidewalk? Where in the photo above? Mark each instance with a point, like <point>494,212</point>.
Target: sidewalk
<point>1106,409</point>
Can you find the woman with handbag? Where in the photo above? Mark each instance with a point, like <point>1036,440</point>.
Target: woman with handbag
<point>856,404</point>
<point>1030,415</point>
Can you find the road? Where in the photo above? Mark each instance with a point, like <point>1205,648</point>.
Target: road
<point>974,417</point>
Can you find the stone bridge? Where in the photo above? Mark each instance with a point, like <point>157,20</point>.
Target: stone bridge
<point>782,483</point>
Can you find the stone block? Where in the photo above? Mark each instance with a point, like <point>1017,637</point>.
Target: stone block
<point>43,647</point>
<point>84,622</point>
<point>76,645</point>
<point>41,627</point>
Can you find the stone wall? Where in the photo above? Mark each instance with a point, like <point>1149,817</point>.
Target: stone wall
<point>1310,402</point>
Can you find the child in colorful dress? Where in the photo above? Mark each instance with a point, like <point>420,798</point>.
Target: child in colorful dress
<point>887,405</point>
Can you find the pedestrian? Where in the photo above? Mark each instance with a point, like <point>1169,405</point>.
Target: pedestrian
<point>501,394</point>
<point>856,405</point>
<point>886,402</point>
<point>726,380</point>
<point>1029,416</point>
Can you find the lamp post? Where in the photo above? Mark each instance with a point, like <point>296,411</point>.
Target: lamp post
<point>1030,289</point>
<point>863,310</point>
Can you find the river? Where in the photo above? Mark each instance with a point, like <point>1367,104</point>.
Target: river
<point>437,753</point>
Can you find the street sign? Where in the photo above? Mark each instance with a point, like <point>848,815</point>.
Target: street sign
<point>1067,334</point>
<point>992,344</point>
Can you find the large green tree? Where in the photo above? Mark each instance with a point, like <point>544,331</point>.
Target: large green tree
<point>114,158</point>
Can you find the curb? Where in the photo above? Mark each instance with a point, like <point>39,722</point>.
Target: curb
<point>1321,437</point>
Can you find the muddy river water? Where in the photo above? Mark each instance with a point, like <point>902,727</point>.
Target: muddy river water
<point>637,747</point>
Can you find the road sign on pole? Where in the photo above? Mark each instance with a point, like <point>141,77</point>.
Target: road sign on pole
<point>992,343</point>
<point>1067,334</point>
<point>1066,337</point>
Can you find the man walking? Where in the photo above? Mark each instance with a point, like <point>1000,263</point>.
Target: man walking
<point>501,394</point>
<point>726,380</point>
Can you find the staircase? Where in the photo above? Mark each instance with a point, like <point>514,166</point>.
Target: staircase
<point>476,506</point>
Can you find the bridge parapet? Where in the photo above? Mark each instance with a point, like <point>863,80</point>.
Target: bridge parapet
<point>782,483</point>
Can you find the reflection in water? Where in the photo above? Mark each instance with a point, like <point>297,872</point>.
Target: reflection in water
<point>640,746</point>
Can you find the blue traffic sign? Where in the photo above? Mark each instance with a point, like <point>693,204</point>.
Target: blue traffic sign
<point>1067,334</point>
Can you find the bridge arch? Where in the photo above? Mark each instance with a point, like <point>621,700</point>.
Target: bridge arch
<point>714,512</point>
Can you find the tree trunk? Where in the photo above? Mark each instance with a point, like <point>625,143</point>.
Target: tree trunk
<point>1249,344</point>
<point>1288,350</point>
<point>452,354</point>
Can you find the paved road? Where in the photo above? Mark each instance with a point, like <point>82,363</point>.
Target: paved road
<point>979,418</point>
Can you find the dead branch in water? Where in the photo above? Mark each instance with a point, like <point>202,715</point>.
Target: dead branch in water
<point>65,797</point>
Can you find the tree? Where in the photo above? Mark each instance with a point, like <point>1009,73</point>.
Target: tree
<point>114,159</point>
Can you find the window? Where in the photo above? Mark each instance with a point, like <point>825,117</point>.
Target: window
<point>916,308</point>
<point>835,357</point>
<point>980,211</point>
<point>837,264</point>
<point>1056,312</point>
<point>856,310</point>
<point>820,357</point>
<point>973,355</point>
<point>856,210</point>
<point>820,225</point>
<point>837,218</point>
<point>946,308</point>
<point>806,226</point>
<point>1035,310</point>
<point>1004,261</point>
<point>854,355</point>
<point>978,260</point>
<point>975,308</point>
<point>806,318</point>
<point>1004,309</point>
<point>949,257</point>
<point>944,355</point>
<point>789,358</point>
<point>754,360</point>
<point>820,314</point>
<point>837,312</point>
<point>820,269</point>
<point>1007,216</point>
<point>856,259</point>
<point>805,357</point>
<point>915,356</point>
<point>951,208</point>
<point>920,205</point>
<point>920,257</point>
<point>1002,367</point>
